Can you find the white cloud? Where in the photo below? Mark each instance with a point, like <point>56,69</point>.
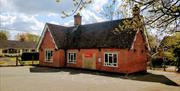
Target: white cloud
<point>69,23</point>
<point>98,4</point>
<point>52,15</point>
<point>90,17</point>
<point>53,22</point>
<point>6,5</point>
<point>21,22</point>
<point>20,16</point>
<point>7,19</point>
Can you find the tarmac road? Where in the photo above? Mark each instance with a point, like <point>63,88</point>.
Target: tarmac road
<point>28,78</point>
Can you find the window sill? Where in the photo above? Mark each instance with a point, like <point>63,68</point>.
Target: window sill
<point>71,62</point>
<point>110,66</point>
<point>48,61</point>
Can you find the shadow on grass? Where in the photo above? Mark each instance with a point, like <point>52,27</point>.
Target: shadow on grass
<point>147,77</point>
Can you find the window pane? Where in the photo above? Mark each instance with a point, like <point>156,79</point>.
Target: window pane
<point>115,58</point>
<point>110,59</point>
<point>45,54</point>
<point>71,57</point>
<point>74,56</point>
<point>48,55</point>
<point>106,58</point>
<point>51,53</point>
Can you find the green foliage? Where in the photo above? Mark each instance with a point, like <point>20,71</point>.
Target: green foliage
<point>152,41</point>
<point>32,37</point>
<point>4,35</point>
<point>162,15</point>
<point>167,47</point>
<point>58,1</point>
<point>156,62</point>
<point>177,55</point>
<point>169,56</point>
<point>171,42</point>
<point>35,62</point>
<point>27,37</point>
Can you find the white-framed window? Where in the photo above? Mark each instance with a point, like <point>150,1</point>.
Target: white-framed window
<point>48,55</point>
<point>71,57</point>
<point>111,59</point>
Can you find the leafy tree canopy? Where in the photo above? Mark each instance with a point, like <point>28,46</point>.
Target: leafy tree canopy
<point>27,37</point>
<point>163,15</point>
<point>4,35</point>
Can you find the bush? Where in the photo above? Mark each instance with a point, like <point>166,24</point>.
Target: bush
<point>157,62</point>
<point>169,56</point>
<point>177,55</point>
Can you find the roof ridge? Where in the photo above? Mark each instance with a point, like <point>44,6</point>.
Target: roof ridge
<point>16,41</point>
<point>55,25</point>
<point>89,23</point>
<point>107,21</point>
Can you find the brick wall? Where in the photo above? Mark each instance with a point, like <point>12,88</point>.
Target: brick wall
<point>129,60</point>
<point>58,55</point>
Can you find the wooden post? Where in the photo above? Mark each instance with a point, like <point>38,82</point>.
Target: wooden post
<point>164,64</point>
<point>164,58</point>
<point>17,60</point>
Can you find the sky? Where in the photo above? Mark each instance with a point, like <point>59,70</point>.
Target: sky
<point>30,16</point>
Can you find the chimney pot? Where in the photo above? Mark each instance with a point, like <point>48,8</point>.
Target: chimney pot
<point>77,19</point>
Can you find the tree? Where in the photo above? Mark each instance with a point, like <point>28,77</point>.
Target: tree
<point>109,10</point>
<point>168,49</point>
<point>32,37</point>
<point>20,37</point>
<point>27,37</point>
<point>4,35</point>
<point>163,15</point>
<point>177,55</point>
<point>171,42</point>
<point>78,4</point>
<point>152,42</point>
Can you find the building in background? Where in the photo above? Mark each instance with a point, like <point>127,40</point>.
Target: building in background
<point>16,48</point>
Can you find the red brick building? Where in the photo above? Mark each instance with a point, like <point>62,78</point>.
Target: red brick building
<point>105,46</point>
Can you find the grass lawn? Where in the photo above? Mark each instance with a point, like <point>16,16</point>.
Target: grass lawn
<point>2,62</point>
<point>12,61</point>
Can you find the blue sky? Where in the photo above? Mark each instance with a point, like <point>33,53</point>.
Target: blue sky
<point>20,16</point>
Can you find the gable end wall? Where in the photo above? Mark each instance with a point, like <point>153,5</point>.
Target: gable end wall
<point>58,55</point>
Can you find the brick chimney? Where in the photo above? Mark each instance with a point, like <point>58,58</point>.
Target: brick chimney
<point>77,19</point>
<point>136,11</point>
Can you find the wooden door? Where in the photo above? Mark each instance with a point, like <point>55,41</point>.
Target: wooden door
<point>89,60</point>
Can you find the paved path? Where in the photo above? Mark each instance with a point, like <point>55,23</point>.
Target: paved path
<point>28,78</point>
